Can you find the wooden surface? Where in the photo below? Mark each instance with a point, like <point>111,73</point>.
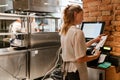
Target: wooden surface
<point>111,74</point>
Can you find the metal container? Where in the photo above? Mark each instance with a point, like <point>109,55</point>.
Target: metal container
<point>44,39</point>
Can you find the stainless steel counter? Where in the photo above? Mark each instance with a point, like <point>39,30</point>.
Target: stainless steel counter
<point>30,63</point>
<point>42,61</point>
<point>12,64</point>
<point>10,50</point>
<point>43,54</point>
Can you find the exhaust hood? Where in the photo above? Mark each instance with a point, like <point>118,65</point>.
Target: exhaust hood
<point>5,5</point>
<point>36,5</point>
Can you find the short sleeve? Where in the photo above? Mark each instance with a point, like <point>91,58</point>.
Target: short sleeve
<point>79,44</point>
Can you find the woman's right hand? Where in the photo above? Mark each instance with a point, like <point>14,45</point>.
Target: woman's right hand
<point>96,54</point>
<point>90,57</point>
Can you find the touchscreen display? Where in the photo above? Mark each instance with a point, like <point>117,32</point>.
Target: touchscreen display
<point>92,29</point>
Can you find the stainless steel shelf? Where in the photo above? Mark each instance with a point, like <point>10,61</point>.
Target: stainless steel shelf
<point>6,16</point>
<point>10,50</point>
<point>11,33</point>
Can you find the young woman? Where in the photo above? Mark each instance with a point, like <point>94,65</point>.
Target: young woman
<point>73,44</point>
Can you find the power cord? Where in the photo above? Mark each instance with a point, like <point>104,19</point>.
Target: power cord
<point>58,57</point>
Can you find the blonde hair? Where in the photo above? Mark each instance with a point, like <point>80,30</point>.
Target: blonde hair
<point>68,17</point>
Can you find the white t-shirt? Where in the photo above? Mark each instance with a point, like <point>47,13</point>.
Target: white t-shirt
<point>73,47</point>
<point>73,44</point>
<point>16,26</point>
<point>33,26</point>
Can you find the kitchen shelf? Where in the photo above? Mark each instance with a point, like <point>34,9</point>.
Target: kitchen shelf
<point>11,33</point>
<point>6,16</point>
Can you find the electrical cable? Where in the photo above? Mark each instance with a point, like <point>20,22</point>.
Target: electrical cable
<point>58,54</point>
<point>53,66</point>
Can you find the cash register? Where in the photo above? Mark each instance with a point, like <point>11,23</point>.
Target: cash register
<point>91,30</point>
<point>99,66</point>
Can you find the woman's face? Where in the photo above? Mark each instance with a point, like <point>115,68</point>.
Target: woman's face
<point>78,17</point>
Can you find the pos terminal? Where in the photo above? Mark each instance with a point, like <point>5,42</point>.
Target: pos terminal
<point>103,59</point>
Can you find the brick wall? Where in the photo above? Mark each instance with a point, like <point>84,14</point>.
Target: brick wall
<point>108,11</point>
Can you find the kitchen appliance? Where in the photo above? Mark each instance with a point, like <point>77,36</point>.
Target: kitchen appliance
<point>36,5</point>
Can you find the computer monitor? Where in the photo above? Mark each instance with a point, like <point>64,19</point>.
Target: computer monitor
<point>92,29</point>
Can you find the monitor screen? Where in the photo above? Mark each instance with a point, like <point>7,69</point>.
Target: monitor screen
<point>92,29</point>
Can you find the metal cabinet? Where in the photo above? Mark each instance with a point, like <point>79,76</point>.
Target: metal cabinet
<point>13,66</point>
<point>42,61</point>
<point>12,62</point>
<point>43,54</point>
<point>36,57</point>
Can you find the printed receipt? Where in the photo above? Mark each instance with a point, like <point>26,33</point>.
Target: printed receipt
<point>100,44</point>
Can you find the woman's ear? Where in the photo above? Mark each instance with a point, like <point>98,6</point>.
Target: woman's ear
<point>75,14</point>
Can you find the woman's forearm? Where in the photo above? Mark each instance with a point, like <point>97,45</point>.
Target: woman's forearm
<point>89,58</point>
<point>86,59</point>
<point>89,43</point>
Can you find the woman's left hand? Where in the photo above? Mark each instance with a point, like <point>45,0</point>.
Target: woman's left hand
<point>97,39</point>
